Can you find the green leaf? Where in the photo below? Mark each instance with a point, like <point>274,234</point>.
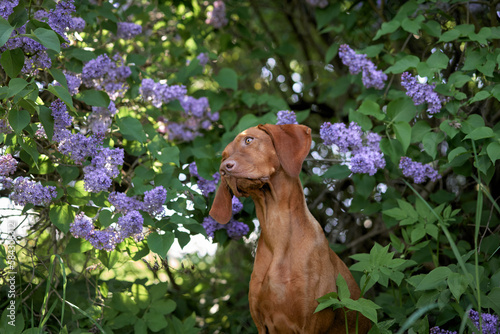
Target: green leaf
<point>337,172</point>
<point>449,36</point>
<point>19,119</point>
<point>438,60</point>
<point>63,94</point>
<point>371,108</point>
<point>45,116</point>
<point>403,134</point>
<point>29,145</point>
<point>433,28</point>
<point>131,128</point>
<point>331,52</point>
<point>480,133</point>
<point>164,306</point>
<point>493,150</point>
<point>62,215</point>
<point>482,95</point>
<point>431,141</point>
<point>227,78</point>
<point>458,284</point>
<point>5,31</point>
<point>15,86</point>
<point>12,62</point>
<point>403,64</point>
<point>412,26</point>
<point>401,110</point>
<point>170,154</point>
<point>95,98</point>
<point>59,76</point>
<point>48,38</point>
<point>342,288</point>
<point>434,279</point>
<point>156,321</point>
<point>160,244</point>
<point>387,28</point>
<point>364,306</point>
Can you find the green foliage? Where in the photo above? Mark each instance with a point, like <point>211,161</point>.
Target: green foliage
<point>424,254</point>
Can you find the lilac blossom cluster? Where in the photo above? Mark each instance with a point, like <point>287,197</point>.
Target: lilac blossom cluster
<point>152,203</point>
<point>74,145</point>
<point>437,330</point>
<point>106,74</point>
<point>8,166</point>
<point>78,24</point>
<point>58,18</point>
<point>364,148</point>
<point>25,190</point>
<point>196,116</point>
<point>128,30</point>
<point>217,17</point>
<point>422,93</point>
<point>206,186</point>
<point>128,225</point>
<point>286,117</point>
<point>489,323</point>
<point>358,62</point>
<point>100,119</point>
<point>235,229</point>
<point>103,168</point>
<point>418,171</point>
<point>158,93</point>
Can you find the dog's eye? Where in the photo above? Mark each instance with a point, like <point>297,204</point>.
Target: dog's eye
<point>248,140</point>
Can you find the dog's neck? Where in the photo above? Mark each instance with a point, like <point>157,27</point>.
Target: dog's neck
<point>282,212</point>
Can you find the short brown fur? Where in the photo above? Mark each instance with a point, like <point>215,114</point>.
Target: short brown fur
<point>294,264</point>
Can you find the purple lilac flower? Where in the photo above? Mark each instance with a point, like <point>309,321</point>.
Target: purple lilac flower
<point>206,186</point>
<point>8,165</point>
<point>210,226</point>
<point>153,201</point>
<point>237,205</point>
<point>366,156</point>
<point>103,239</point>
<point>236,230</point>
<point>101,118</point>
<point>60,18</point>
<point>366,160</point>
<point>128,30</point>
<point>489,322</point>
<point>318,3</point>
<point>7,8</point>
<point>437,330</point>
<point>78,24</point>
<point>4,126</point>
<point>62,119</point>
<point>82,226</point>
<point>123,203</point>
<point>286,117</point>
<point>79,147</point>
<point>130,225</point>
<point>418,171</point>
<point>217,17</point>
<point>158,93</point>
<point>196,107</point>
<point>5,182</point>
<point>203,58</point>
<point>25,190</point>
<point>107,74</point>
<point>359,62</point>
<point>104,166</point>
<point>422,93</point>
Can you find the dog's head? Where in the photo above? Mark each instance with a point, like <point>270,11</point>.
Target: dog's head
<point>249,161</point>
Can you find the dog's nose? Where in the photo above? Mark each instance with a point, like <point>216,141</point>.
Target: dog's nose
<point>228,166</point>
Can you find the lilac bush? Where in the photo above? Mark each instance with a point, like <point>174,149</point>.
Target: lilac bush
<point>158,93</point>
<point>217,16</point>
<point>206,186</point>
<point>25,190</point>
<point>106,74</point>
<point>128,30</point>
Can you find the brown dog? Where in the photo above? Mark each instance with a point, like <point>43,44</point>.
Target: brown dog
<point>294,264</point>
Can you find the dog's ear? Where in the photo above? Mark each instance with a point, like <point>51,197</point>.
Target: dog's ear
<point>292,143</point>
<point>222,207</point>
